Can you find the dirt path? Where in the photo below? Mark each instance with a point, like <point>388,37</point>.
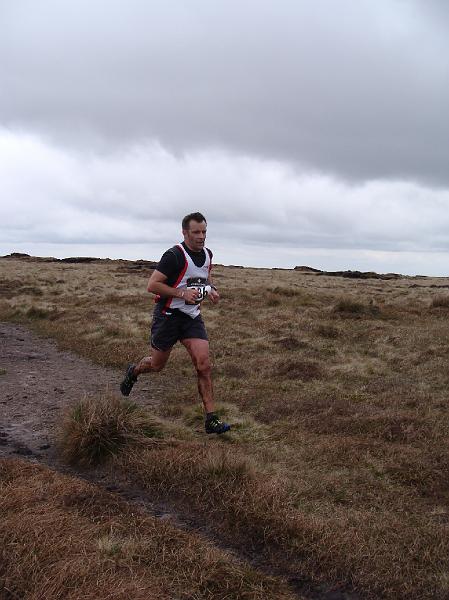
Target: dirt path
<point>37,381</point>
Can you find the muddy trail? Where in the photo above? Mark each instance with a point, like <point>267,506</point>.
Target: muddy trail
<point>38,382</point>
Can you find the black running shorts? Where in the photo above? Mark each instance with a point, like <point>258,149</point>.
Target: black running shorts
<point>167,329</point>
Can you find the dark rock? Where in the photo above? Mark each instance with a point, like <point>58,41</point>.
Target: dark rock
<point>141,265</point>
<point>17,255</point>
<point>361,275</point>
<point>79,259</point>
<point>307,269</point>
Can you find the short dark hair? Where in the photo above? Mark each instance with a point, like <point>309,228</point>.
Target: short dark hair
<point>198,217</point>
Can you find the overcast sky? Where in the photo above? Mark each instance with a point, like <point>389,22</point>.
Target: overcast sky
<point>307,131</point>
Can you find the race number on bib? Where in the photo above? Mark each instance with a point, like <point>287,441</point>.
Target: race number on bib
<point>199,284</point>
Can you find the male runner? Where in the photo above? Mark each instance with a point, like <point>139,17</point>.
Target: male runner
<point>181,281</point>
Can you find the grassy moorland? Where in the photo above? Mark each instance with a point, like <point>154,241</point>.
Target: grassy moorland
<point>337,465</point>
<point>63,538</point>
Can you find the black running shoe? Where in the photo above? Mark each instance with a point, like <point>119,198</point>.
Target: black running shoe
<point>129,380</point>
<point>214,425</point>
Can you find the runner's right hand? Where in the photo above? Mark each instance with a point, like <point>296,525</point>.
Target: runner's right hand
<point>190,295</point>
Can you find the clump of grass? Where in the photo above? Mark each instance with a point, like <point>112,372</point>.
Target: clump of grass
<point>289,292</point>
<point>98,426</point>
<point>289,342</point>
<point>304,370</point>
<point>440,301</point>
<point>349,307</point>
<point>36,313</point>
<point>32,291</point>
<point>112,330</point>
<point>233,370</point>
<point>273,301</point>
<point>328,331</point>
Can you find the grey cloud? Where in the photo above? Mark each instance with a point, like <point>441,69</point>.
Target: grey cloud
<point>361,93</point>
<point>139,196</point>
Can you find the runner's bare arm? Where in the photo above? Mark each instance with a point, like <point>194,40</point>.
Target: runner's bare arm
<point>213,296</point>
<point>157,285</point>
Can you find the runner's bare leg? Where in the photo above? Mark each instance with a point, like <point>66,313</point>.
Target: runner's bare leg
<point>153,363</point>
<point>199,353</point>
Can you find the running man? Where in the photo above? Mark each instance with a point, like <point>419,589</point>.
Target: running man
<point>181,281</point>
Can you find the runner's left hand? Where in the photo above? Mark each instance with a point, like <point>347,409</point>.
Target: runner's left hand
<point>214,296</point>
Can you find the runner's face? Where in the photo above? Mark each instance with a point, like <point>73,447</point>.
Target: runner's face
<point>195,235</point>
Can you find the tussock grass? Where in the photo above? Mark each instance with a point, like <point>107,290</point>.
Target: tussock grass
<point>290,342</point>
<point>289,292</point>
<point>98,426</point>
<point>328,331</point>
<point>440,301</point>
<point>35,312</point>
<point>31,290</point>
<point>348,306</point>
<point>63,538</point>
<point>304,370</point>
<point>231,369</point>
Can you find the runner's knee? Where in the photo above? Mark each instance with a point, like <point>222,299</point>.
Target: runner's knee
<point>159,359</point>
<point>158,366</point>
<point>203,366</point>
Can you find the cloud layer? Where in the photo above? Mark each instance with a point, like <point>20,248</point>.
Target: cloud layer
<point>360,93</point>
<point>138,196</point>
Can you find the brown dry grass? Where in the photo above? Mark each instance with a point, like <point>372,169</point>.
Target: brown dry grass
<point>440,301</point>
<point>98,426</point>
<point>65,538</point>
<point>337,389</point>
